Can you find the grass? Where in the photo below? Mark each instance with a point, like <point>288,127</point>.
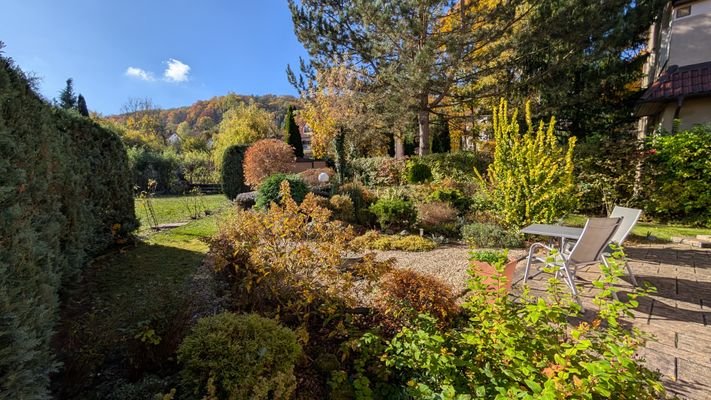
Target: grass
<point>131,296</point>
<point>171,209</point>
<point>643,230</point>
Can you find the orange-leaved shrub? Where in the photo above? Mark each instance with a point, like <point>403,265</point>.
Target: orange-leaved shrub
<point>264,158</point>
<point>406,293</point>
<point>287,261</point>
<point>436,215</point>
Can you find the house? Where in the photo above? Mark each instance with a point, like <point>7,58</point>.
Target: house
<point>678,71</point>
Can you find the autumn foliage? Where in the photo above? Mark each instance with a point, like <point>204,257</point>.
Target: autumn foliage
<point>406,293</point>
<point>266,157</point>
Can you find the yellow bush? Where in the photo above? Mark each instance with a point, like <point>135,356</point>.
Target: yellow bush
<point>342,207</point>
<point>375,241</point>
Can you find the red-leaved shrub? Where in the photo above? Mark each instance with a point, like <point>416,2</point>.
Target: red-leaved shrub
<point>405,293</point>
<point>264,158</point>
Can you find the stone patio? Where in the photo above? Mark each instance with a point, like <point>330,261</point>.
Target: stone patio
<point>678,315</point>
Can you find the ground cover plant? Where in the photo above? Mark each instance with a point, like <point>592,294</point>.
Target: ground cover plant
<point>374,240</point>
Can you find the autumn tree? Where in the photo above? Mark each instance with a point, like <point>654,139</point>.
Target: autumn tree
<point>67,97</point>
<point>244,124</point>
<point>142,116</point>
<point>81,106</point>
<point>292,134</point>
<point>413,50</point>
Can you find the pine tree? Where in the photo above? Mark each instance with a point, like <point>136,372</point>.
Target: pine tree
<point>67,98</point>
<point>440,136</point>
<point>291,133</point>
<point>81,106</point>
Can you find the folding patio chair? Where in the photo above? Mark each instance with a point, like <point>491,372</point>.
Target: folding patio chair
<point>589,249</point>
<point>630,216</point>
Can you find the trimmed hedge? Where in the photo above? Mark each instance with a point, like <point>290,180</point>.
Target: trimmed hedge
<point>233,171</point>
<point>65,195</point>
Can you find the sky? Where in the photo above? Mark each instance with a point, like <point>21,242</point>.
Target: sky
<point>174,52</point>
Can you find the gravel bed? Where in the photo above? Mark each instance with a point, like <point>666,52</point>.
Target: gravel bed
<point>449,263</point>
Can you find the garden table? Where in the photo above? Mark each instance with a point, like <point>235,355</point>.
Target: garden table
<point>554,231</point>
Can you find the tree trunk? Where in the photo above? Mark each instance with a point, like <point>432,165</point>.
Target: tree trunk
<point>399,147</point>
<point>423,120</point>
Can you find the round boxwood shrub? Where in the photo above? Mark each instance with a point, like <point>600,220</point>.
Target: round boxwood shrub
<point>269,189</point>
<point>394,213</point>
<point>233,356</point>
<point>418,173</point>
<point>233,171</point>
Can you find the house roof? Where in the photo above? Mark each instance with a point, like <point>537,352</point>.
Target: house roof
<point>674,83</point>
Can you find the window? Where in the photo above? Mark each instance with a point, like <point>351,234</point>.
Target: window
<point>682,12</point>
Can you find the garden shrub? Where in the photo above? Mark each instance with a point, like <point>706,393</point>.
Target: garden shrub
<point>378,171</point>
<point>362,198</point>
<point>269,191</point>
<point>526,348</point>
<point>489,235</point>
<point>66,195</point>
<point>394,213</point>
<point>374,240</point>
<point>459,166</point>
<point>266,157</point>
<point>342,207</point>
<point>287,260</point>
<point>452,196</point>
<point>531,177</point>
<point>437,217</point>
<point>160,166</point>
<point>229,356</point>
<point>681,169</point>
<point>418,173</point>
<point>233,171</point>
<point>406,293</point>
<point>310,177</point>
<point>605,171</point>
<point>197,166</point>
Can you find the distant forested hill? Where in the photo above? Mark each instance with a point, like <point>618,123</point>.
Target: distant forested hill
<point>203,115</point>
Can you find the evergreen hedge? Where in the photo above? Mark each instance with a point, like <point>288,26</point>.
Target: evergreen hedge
<point>65,194</point>
<point>233,171</point>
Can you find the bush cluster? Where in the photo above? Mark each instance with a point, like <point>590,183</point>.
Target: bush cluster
<point>682,177</point>
<point>437,217</point>
<point>163,167</point>
<point>376,241</point>
<point>229,356</point>
<point>459,166</point>
<point>378,171</point>
<point>489,235</point>
<point>394,213</point>
<point>310,176</point>
<point>452,196</point>
<point>66,195</point>
<point>233,171</point>
<point>266,157</point>
<point>269,191</point>
<point>361,198</point>
<point>342,207</point>
<point>418,172</point>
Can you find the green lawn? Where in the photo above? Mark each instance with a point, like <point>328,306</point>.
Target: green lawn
<point>170,209</point>
<point>131,296</point>
<point>643,230</point>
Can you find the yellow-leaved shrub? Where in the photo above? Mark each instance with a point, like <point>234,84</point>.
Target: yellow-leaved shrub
<point>531,177</point>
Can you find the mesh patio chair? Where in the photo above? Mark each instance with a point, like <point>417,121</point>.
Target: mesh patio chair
<point>629,216</point>
<point>589,249</point>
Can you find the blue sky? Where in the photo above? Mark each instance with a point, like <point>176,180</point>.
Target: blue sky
<point>174,52</point>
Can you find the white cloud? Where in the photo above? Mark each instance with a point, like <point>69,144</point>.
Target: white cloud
<point>139,73</point>
<point>176,71</point>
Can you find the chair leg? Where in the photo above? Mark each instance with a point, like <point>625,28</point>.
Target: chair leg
<point>570,281</point>
<point>528,263</point>
<point>631,274</point>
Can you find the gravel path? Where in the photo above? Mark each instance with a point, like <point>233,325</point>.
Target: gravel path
<point>449,263</point>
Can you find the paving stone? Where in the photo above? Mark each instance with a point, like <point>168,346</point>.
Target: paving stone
<point>696,374</point>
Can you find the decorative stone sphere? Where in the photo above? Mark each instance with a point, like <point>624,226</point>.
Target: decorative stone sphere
<point>323,177</point>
